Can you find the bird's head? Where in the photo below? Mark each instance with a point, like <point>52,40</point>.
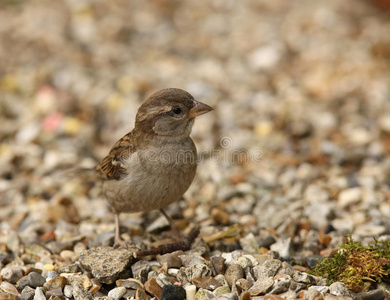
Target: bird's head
<point>169,112</point>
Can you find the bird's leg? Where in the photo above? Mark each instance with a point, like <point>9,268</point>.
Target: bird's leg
<point>118,242</point>
<point>173,225</point>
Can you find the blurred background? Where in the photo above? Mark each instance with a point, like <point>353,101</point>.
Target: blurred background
<point>301,90</point>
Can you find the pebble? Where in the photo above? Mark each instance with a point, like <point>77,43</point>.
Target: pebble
<point>153,288</point>
<point>39,295</point>
<point>349,196</point>
<point>68,291</point>
<point>130,283</point>
<point>218,264</point>
<point>339,289</point>
<point>12,274</point>
<point>117,293</point>
<point>79,293</point>
<point>233,272</point>
<point>377,294</point>
<point>173,292</point>
<point>105,263</point>
<point>9,288</point>
<point>249,243</point>
<point>281,284</point>
<point>261,286</point>
<point>172,259</point>
<point>203,294</point>
<point>35,279</point>
<point>268,269</point>
<point>190,292</point>
<point>55,283</point>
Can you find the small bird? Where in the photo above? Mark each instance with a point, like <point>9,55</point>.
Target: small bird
<point>154,164</point>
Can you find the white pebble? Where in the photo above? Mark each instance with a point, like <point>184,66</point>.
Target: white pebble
<point>190,292</point>
<point>117,293</point>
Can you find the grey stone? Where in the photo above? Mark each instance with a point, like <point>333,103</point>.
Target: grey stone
<point>261,286</point>
<point>35,279</point>
<point>172,259</point>
<point>197,270</point>
<point>228,296</point>
<point>71,268</point>
<point>339,289</point>
<point>268,269</point>
<point>323,290</point>
<point>140,270</point>
<point>105,263</point>
<point>81,294</point>
<point>68,291</point>
<point>281,284</point>
<point>377,294</point>
<point>12,274</point>
<point>117,292</point>
<point>234,272</point>
<point>39,295</point>
<point>303,277</point>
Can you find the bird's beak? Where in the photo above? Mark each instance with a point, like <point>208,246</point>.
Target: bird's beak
<point>199,109</point>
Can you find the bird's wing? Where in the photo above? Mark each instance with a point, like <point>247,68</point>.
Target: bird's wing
<point>111,167</point>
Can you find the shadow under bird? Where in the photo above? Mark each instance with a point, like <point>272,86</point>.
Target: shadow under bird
<point>153,165</point>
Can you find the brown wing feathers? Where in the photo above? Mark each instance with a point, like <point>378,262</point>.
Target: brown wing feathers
<point>111,166</point>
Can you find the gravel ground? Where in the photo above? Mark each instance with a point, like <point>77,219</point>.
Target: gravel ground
<point>294,158</point>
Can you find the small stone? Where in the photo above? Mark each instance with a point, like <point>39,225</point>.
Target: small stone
<point>71,268</point>
<point>377,294</point>
<point>9,288</point>
<point>339,289</point>
<point>220,216</point>
<point>286,269</point>
<point>140,294</point>
<point>35,280</point>
<point>281,284</point>
<point>96,286</point>
<point>268,269</point>
<point>55,292</point>
<point>82,280</point>
<point>349,196</point>
<point>12,274</point>
<point>203,294</point>
<point>172,259</point>
<point>39,295</point>
<point>55,283</point>
<point>303,277</point>
<point>218,264</point>
<point>173,292</point>
<point>273,297</point>
<point>261,286</point>
<point>130,283</point>
<point>197,270</point>
<point>28,295</point>
<point>221,290</point>
<point>68,291</point>
<point>208,283</point>
<point>79,293</point>
<point>152,287</point>
<point>190,292</point>
<point>289,295</point>
<point>228,296</point>
<point>105,263</point>
<point>233,273</point>
<point>117,292</point>
<point>323,290</point>
<point>243,284</point>
<point>140,270</point>
<point>250,244</point>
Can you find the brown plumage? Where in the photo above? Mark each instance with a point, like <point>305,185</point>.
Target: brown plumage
<point>154,164</point>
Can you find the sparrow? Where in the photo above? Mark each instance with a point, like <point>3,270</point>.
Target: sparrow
<point>153,165</point>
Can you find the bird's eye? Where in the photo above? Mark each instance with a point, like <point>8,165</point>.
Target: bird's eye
<point>176,110</point>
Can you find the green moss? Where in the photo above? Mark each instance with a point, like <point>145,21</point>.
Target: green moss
<point>356,265</point>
